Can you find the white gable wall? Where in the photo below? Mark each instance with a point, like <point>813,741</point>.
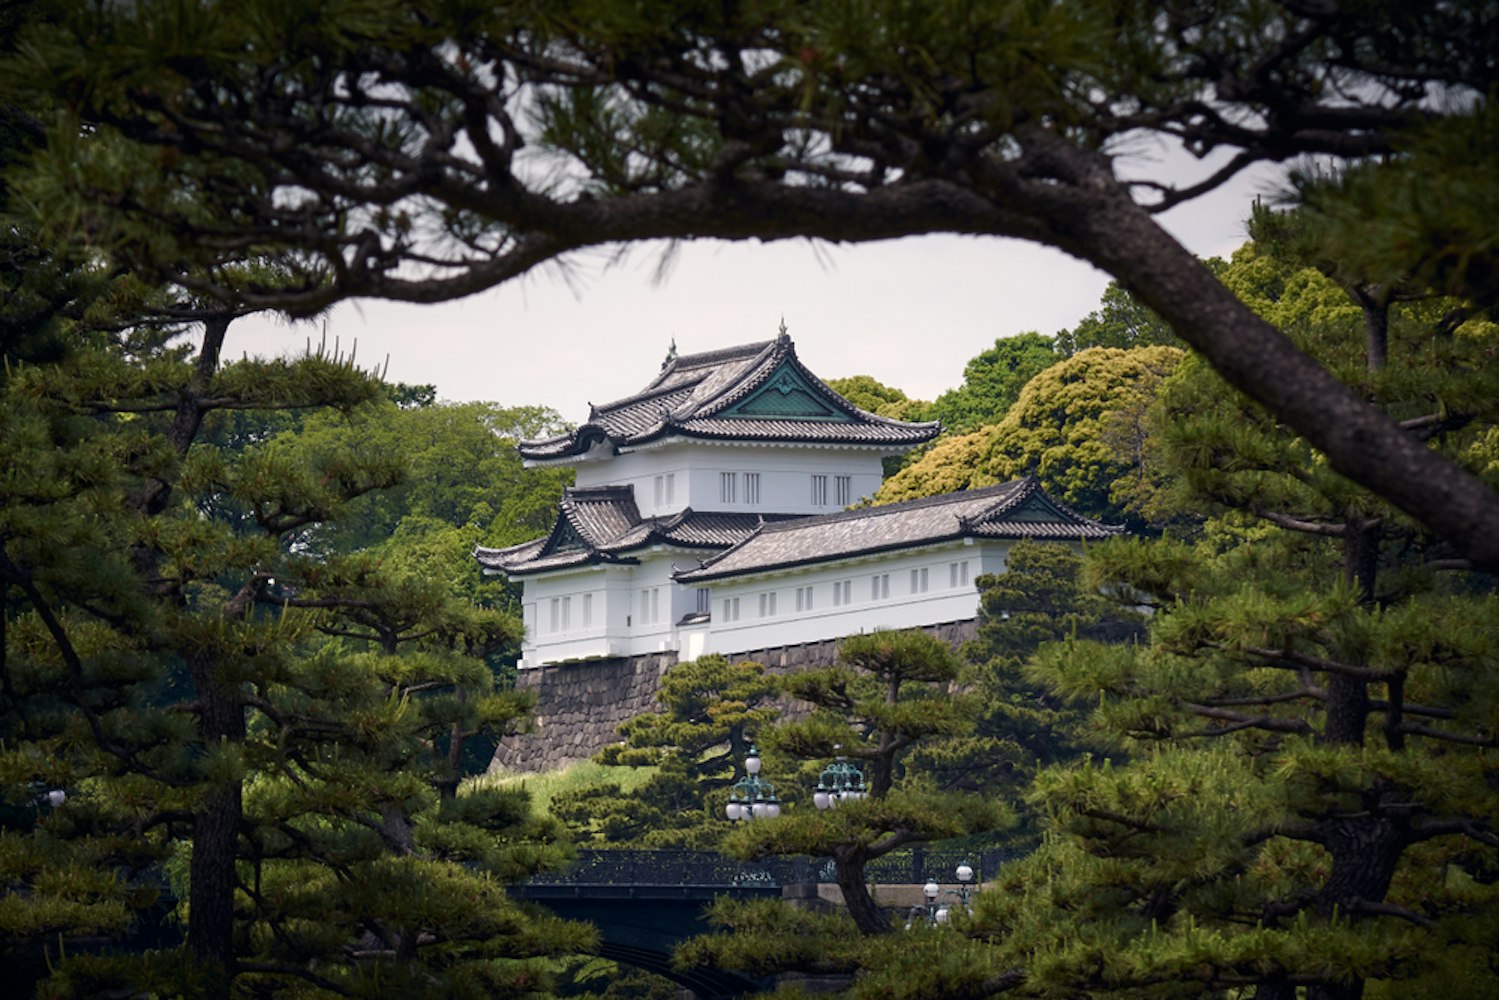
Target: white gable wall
<point>696,471</point>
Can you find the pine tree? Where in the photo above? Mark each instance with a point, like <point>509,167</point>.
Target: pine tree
<point>1021,725</point>
<point>710,709</point>
<point>886,694</point>
<point>1308,803</point>
<point>283,732</point>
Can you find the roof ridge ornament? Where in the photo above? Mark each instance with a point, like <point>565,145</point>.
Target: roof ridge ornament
<point>783,336</point>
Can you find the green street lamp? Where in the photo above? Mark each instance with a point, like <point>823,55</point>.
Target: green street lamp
<point>752,797</point>
<point>839,781</point>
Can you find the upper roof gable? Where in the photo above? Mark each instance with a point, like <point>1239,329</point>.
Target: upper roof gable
<point>755,392</point>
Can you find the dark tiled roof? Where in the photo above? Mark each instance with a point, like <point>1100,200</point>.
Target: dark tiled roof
<point>602,524</point>
<point>697,395</point>
<point>1019,509</point>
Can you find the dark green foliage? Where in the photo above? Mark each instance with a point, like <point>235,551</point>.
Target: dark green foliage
<point>460,469</point>
<point>887,694</point>
<point>1021,725</point>
<point>992,381</point>
<point>284,729</point>
<point>1308,797</point>
<point>1119,321</point>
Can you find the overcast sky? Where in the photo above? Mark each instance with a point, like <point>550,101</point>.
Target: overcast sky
<point>909,312</point>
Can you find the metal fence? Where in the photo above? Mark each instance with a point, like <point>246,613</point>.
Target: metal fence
<point>706,868</point>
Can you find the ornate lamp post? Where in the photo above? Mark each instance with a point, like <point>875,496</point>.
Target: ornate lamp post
<point>839,780</point>
<point>752,797</point>
<point>940,914</point>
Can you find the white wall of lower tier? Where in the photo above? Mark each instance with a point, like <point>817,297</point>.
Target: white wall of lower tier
<point>739,477</point>
<point>630,610</point>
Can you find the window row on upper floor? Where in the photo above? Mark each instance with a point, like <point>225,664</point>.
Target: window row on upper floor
<point>743,488</point>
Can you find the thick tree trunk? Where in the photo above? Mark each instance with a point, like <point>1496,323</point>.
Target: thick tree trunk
<point>1363,443</point>
<point>1365,853</point>
<point>210,929</point>
<point>1365,850</point>
<point>849,866</point>
<point>1274,988</point>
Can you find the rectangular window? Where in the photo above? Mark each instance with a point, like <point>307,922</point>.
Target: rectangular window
<point>650,605</point>
<point>704,597</point>
<point>918,581</point>
<point>556,614</point>
<point>587,610</point>
<point>730,609</point>
<point>843,488</point>
<point>567,603</point>
<point>843,593</point>
<point>819,491</point>
<point>726,483</point>
<point>957,574</point>
<point>768,604</point>
<point>879,586</point>
<point>671,488</point>
<point>752,487</point>
<point>804,598</point>
<point>660,484</point>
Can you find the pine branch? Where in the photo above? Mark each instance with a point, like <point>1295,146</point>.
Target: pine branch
<point>1293,660</point>
<point>1391,910</point>
<point>1314,693</point>
<point>1240,721</point>
<point>287,969</point>
<point>1127,821</point>
<point>893,840</point>
<point>1440,734</point>
<point>1301,524</point>
<point>74,664</point>
<point>1432,829</point>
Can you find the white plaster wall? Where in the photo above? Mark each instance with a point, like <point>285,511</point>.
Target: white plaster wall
<point>619,620</point>
<point>785,476</point>
<point>543,643</point>
<point>944,600</point>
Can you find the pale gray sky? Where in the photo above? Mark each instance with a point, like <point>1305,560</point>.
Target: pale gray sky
<point>909,312</point>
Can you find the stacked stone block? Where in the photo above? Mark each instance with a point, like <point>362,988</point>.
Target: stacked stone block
<point>579,706</point>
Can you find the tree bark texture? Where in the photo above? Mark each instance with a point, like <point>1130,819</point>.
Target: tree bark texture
<point>849,867</point>
<point>216,823</point>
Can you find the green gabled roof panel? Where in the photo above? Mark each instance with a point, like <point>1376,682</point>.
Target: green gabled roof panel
<point>1037,507</point>
<point>787,394</point>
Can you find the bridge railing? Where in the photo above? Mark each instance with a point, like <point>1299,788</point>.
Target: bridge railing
<point>707,868</point>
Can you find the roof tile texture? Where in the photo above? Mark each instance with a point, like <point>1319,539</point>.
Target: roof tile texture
<point>691,392</point>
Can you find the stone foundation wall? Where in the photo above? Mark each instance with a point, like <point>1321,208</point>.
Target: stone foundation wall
<point>579,706</point>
